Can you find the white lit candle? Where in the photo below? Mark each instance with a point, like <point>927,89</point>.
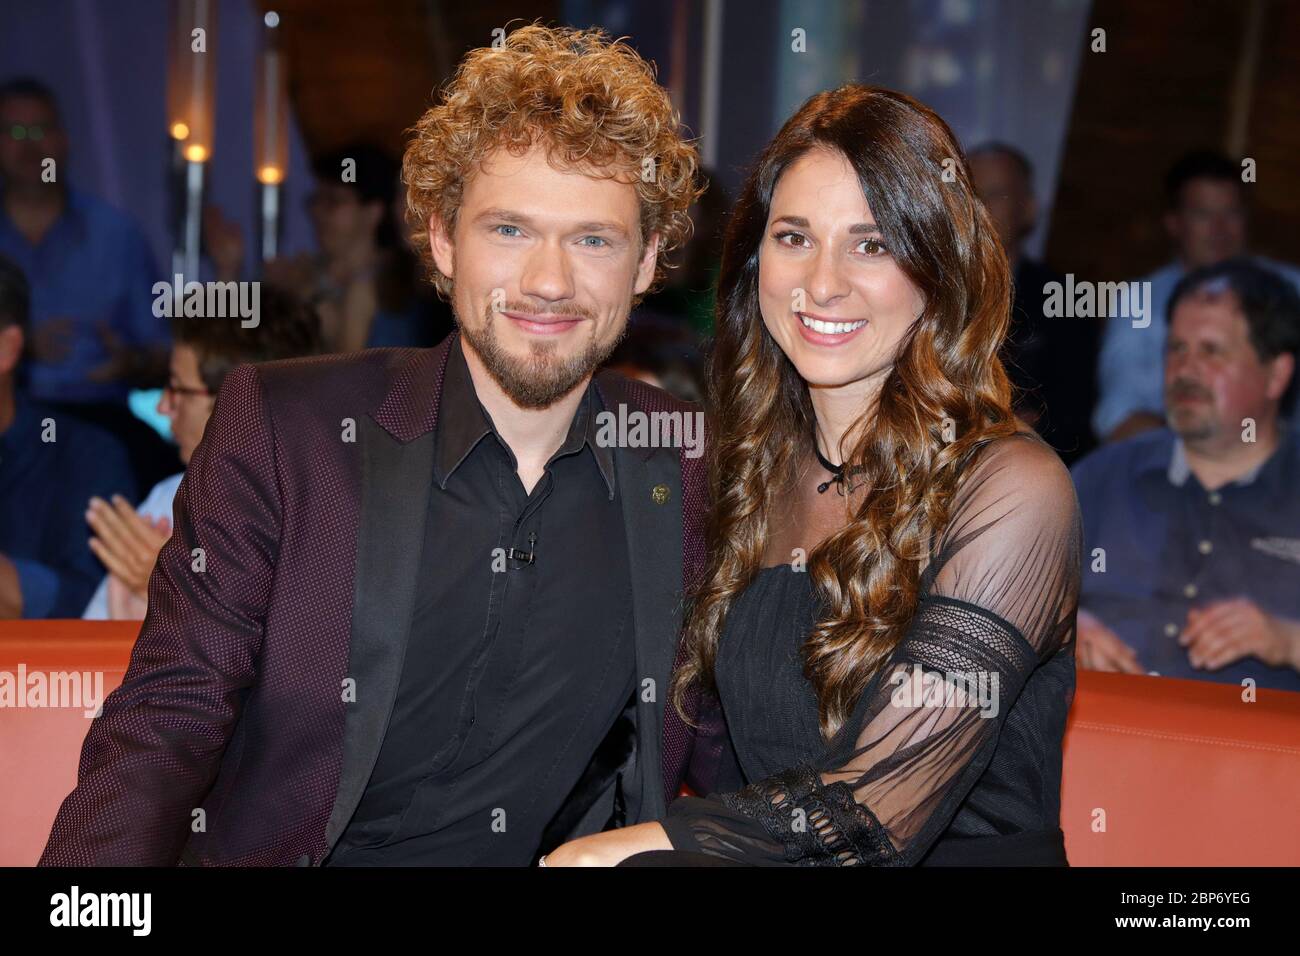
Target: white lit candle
<point>270,131</point>
<point>191,95</point>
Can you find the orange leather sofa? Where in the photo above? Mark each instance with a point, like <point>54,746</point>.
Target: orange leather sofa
<point>40,746</point>
<point>1157,771</point>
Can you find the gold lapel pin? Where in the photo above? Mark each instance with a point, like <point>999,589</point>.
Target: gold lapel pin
<point>659,494</point>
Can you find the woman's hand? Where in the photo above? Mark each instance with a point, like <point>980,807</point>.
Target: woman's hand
<point>126,542</point>
<point>611,847</point>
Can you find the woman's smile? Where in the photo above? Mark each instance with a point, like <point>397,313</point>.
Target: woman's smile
<point>818,330</point>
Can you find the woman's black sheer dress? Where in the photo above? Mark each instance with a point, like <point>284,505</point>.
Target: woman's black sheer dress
<point>963,770</point>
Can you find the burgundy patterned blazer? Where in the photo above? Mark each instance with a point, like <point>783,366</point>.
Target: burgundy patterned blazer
<point>289,579</point>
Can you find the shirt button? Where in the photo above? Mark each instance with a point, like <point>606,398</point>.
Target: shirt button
<point>1171,629</point>
<point>1205,547</point>
<point>1215,497</point>
<point>1190,590</point>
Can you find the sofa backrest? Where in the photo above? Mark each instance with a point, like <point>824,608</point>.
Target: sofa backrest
<point>40,744</point>
<point>1157,771</point>
<point>1165,772</point>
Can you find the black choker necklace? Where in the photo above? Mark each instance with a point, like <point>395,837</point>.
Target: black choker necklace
<point>837,472</point>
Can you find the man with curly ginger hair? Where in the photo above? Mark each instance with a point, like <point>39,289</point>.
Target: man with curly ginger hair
<point>421,606</point>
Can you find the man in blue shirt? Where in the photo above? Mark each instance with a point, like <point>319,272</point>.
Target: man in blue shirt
<point>1192,532</point>
<point>1206,220</point>
<point>93,332</point>
<point>51,465</point>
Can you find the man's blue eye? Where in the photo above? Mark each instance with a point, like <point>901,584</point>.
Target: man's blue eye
<point>602,242</point>
<point>506,226</point>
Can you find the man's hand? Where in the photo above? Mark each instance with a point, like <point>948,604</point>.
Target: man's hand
<point>611,847</point>
<point>135,366</point>
<point>1098,648</point>
<point>52,339</point>
<point>1226,631</point>
<point>120,365</point>
<point>127,543</point>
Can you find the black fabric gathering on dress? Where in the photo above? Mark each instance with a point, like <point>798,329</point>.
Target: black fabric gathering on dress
<point>952,755</point>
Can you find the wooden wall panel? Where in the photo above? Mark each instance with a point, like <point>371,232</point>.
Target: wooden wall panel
<point>367,70</point>
<point>1274,134</point>
<point>1164,86</point>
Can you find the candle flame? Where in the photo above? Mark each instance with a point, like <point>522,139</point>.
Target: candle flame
<point>180,131</point>
<point>270,175</point>
<point>196,153</point>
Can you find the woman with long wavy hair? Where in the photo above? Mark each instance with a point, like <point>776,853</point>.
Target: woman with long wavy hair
<point>888,612</point>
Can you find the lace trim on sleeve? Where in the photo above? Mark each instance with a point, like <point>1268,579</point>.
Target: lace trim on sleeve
<point>818,824</point>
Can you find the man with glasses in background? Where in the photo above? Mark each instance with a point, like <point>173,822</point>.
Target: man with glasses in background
<point>93,335</point>
<point>126,539</point>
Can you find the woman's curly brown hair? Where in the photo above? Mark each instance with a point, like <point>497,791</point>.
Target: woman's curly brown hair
<point>592,102</point>
<point>917,184</point>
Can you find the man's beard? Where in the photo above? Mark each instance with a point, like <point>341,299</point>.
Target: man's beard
<point>539,379</point>
<point>1195,422</point>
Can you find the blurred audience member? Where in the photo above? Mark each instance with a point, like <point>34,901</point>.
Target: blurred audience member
<point>686,297</point>
<point>127,539</point>
<point>93,334</point>
<point>435,314</point>
<point>362,281</point>
<point>1206,222</point>
<point>51,464</point>
<point>664,334</point>
<point>1050,360</point>
<point>1192,532</point>
<point>668,358</point>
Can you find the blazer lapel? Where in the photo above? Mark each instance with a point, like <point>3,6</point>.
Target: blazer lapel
<point>394,505</point>
<point>396,451</point>
<point>654,536</point>
<point>650,487</point>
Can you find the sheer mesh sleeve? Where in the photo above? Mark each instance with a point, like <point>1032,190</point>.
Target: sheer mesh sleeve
<point>1001,599</point>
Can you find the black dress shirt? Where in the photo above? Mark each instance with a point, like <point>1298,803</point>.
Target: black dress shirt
<point>521,652</point>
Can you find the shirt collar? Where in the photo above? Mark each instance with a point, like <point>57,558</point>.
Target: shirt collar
<point>1179,469</point>
<point>463,422</point>
<point>1269,469</point>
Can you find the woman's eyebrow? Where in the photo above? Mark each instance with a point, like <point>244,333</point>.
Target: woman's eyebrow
<point>857,229</point>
